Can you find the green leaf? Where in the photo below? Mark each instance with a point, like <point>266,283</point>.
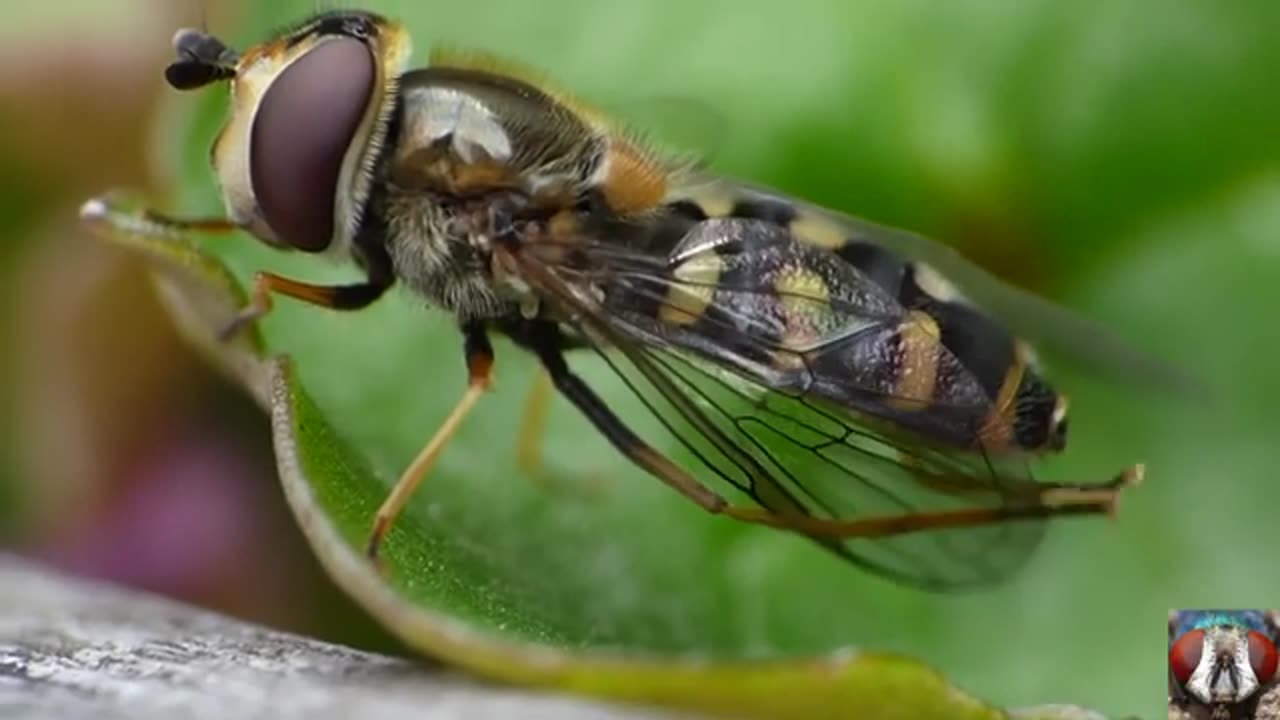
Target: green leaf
<point>943,118</point>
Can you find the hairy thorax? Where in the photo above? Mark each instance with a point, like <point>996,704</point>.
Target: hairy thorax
<point>442,252</point>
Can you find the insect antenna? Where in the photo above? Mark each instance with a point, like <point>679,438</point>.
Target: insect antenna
<point>202,58</point>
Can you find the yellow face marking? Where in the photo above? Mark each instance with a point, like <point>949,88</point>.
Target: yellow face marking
<point>921,341</point>
<point>257,68</point>
<point>813,229</point>
<point>688,298</point>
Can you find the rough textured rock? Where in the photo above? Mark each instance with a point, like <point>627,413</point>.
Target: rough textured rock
<point>71,649</point>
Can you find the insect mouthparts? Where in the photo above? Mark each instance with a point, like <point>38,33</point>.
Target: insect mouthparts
<point>202,59</point>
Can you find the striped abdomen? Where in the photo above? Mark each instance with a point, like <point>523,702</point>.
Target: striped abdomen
<point>761,285</point>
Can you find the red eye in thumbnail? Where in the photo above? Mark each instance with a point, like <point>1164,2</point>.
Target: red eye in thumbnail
<point>1184,656</point>
<point>1262,656</point>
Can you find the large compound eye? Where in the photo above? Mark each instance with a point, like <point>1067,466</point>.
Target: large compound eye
<point>303,128</point>
<point>1262,656</point>
<point>1184,656</point>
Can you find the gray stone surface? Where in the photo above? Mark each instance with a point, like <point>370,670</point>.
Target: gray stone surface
<point>73,649</point>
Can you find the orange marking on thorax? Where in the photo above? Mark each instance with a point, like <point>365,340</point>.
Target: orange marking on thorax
<point>479,177</point>
<point>433,169</point>
<point>636,181</point>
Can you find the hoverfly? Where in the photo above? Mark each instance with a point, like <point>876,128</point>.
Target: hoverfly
<point>1221,658</point>
<point>820,365</point>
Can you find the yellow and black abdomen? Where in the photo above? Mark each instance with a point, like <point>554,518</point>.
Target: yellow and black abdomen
<point>1024,411</point>
<point>850,324</point>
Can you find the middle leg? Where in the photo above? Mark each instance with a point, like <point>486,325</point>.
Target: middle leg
<point>479,357</point>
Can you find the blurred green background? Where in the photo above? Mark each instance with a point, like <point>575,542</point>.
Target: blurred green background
<point>1119,156</point>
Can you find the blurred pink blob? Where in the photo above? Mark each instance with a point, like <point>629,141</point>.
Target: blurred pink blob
<point>188,516</point>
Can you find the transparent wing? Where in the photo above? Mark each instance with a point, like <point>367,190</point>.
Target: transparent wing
<point>761,414</point>
<point>684,128</point>
<point>1049,326</point>
<point>792,317</point>
<point>796,458</point>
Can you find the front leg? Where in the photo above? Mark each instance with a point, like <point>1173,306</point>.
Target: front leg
<point>354,296</point>
<point>146,228</point>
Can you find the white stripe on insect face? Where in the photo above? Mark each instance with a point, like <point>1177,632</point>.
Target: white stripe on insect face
<point>1224,674</point>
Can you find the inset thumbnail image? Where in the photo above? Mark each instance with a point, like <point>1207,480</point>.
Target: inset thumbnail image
<point>1222,664</point>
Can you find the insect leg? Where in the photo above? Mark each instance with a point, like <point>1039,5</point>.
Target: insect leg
<point>1051,501</point>
<point>531,438</point>
<point>533,425</point>
<point>1058,500</point>
<point>338,297</point>
<point>479,357</point>
<point>114,217</point>
<point>1041,493</point>
<point>546,346</point>
<point>1055,501</point>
